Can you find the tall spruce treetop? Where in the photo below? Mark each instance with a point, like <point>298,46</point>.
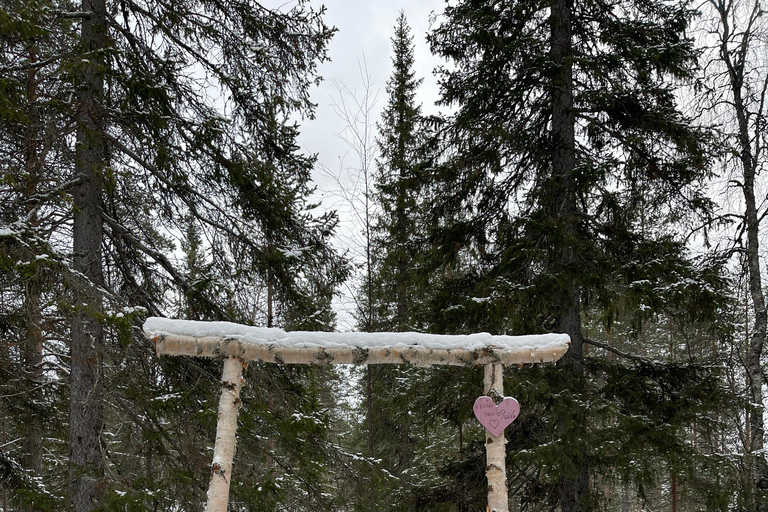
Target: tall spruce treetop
<point>398,187</point>
<point>571,171</point>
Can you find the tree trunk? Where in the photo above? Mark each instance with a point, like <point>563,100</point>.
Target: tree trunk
<point>756,343</point>
<point>86,465</point>
<point>226,426</point>
<point>673,492</point>
<point>369,409</point>
<point>33,359</point>
<point>270,298</point>
<point>573,485</point>
<point>496,467</point>
<point>401,244</point>
<point>561,196</point>
<point>32,349</point>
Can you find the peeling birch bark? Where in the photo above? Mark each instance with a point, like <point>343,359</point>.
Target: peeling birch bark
<point>224,449</point>
<point>496,466</point>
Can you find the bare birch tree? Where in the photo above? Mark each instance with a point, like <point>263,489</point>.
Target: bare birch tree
<point>353,186</point>
<point>740,78</point>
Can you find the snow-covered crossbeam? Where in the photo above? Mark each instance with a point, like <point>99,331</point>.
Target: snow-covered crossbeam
<point>224,339</point>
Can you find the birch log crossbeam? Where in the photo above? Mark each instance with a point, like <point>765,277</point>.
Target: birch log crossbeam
<point>224,339</point>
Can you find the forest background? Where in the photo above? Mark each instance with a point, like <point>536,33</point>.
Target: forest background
<point>594,169</point>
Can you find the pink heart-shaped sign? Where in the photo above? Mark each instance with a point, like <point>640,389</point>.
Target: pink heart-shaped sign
<point>495,418</point>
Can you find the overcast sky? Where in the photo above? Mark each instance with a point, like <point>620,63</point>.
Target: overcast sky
<point>364,32</point>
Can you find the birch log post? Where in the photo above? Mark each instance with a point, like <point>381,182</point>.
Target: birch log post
<point>496,467</point>
<point>226,426</point>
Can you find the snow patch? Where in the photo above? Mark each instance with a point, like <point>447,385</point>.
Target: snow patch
<point>167,397</point>
<point>280,338</point>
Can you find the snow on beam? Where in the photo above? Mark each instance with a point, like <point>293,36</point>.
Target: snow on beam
<point>224,339</point>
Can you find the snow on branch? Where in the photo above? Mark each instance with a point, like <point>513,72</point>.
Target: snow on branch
<point>224,339</point>
<point>74,15</point>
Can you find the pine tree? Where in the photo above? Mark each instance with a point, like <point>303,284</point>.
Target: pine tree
<point>572,165</point>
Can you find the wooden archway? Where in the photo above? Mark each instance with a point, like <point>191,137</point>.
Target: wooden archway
<point>237,344</point>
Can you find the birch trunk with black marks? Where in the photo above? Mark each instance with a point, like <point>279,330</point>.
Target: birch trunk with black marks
<point>757,340</point>
<point>86,464</point>
<point>224,449</point>
<point>307,348</point>
<point>496,465</point>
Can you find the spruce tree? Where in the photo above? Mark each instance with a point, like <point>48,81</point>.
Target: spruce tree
<point>398,188</point>
<point>571,166</point>
<point>392,290</point>
<point>36,166</point>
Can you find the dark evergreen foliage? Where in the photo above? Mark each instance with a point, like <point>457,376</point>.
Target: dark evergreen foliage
<point>640,163</point>
<point>571,169</point>
<point>163,166</point>
<point>398,229</point>
<point>558,196</point>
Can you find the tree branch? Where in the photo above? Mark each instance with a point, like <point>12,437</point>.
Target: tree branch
<point>37,199</point>
<point>639,359</point>
<point>183,197</point>
<point>31,65</point>
<point>179,279</point>
<point>73,15</point>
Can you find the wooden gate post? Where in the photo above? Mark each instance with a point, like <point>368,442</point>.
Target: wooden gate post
<point>496,467</point>
<point>226,426</point>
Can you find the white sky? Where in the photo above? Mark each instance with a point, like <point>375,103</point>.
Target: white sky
<point>364,32</point>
